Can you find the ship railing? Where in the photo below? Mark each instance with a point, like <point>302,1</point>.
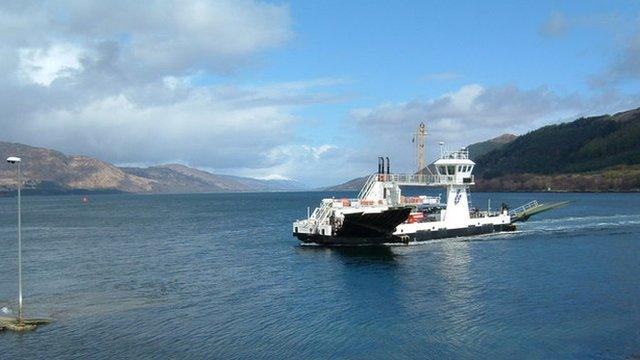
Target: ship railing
<point>321,213</point>
<point>483,214</point>
<point>404,200</point>
<point>424,179</point>
<point>523,208</point>
<point>461,154</point>
<point>367,186</point>
<point>317,218</point>
<point>357,202</point>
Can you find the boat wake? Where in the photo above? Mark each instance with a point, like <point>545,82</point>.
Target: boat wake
<point>483,237</point>
<point>579,224</point>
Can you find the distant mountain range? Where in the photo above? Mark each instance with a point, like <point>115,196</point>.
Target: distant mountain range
<point>49,171</point>
<point>599,153</point>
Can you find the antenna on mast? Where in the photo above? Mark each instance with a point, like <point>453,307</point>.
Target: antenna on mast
<point>418,140</point>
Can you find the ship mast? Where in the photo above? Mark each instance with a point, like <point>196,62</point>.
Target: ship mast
<point>418,140</point>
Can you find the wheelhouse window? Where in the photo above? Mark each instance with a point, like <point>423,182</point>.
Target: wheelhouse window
<point>451,170</point>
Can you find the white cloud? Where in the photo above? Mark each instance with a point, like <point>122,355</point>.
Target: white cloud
<point>121,81</point>
<point>115,80</point>
<point>43,65</point>
<point>274,177</point>
<point>313,165</point>
<point>168,37</point>
<point>222,127</point>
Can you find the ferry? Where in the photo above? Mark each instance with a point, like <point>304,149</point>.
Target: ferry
<point>381,215</point>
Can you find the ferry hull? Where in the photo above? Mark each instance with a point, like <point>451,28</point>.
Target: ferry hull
<point>404,238</point>
<point>362,228</point>
<point>375,225</point>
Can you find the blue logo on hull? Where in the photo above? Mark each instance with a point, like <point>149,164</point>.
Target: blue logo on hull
<point>458,196</point>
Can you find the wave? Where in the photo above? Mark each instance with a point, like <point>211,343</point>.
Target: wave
<point>581,223</point>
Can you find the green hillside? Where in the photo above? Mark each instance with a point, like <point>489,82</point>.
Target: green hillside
<point>584,145</point>
<point>478,149</point>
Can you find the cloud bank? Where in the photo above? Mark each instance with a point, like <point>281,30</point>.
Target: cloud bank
<point>119,80</point>
<point>153,82</point>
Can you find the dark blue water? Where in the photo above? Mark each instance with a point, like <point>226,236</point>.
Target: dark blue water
<point>219,276</point>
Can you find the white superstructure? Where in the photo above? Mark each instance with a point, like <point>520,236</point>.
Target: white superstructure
<point>454,172</point>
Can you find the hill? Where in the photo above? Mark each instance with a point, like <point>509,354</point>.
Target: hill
<point>478,149</point>
<point>50,171</point>
<point>46,170</point>
<point>601,150</point>
<point>176,178</point>
<point>351,185</point>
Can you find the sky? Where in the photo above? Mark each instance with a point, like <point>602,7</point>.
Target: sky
<point>308,90</point>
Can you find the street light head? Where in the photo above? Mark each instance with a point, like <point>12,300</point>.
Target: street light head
<point>13,159</point>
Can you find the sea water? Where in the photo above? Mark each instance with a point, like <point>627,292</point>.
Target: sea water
<point>220,276</point>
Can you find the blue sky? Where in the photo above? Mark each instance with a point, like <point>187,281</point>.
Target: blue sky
<point>307,90</point>
<point>392,52</point>
<point>388,49</point>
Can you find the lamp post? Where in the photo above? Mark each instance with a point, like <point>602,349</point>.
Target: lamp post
<point>17,160</point>
<point>21,323</point>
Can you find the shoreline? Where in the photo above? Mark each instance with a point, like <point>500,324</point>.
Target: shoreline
<point>11,194</point>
